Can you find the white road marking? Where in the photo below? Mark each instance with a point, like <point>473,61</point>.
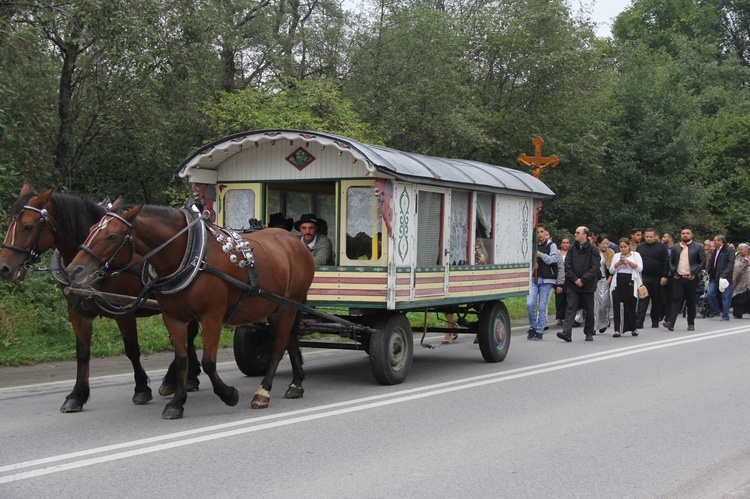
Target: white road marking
<point>225,430</point>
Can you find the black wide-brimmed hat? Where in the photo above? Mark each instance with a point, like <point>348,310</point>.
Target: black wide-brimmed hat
<point>314,219</point>
<point>278,220</point>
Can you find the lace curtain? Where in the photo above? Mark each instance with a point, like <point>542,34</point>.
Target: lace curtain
<point>459,227</point>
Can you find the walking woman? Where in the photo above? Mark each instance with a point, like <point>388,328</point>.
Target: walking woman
<point>626,267</point>
<point>601,296</point>
<point>741,282</point>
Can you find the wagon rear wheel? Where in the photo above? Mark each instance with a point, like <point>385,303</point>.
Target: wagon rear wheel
<point>494,331</point>
<point>391,349</point>
<point>252,349</point>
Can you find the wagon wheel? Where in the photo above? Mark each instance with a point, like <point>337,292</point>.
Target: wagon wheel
<point>494,331</point>
<point>252,349</point>
<point>391,349</point>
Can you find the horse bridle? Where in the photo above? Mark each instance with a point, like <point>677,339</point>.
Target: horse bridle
<point>33,256</point>
<point>104,265</point>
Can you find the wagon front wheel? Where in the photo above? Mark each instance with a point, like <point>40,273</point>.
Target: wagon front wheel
<point>252,349</point>
<point>391,349</point>
<point>494,331</point>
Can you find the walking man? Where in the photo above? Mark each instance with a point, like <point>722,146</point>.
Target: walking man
<point>581,276</point>
<point>655,269</point>
<point>542,282</point>
<point>666,292</point>
<point>720,268</point>
<point>687,262</point>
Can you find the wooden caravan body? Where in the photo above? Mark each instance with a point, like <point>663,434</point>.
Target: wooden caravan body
<point>442,211</point>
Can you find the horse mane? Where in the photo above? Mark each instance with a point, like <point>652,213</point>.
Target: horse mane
<point>75,215</point>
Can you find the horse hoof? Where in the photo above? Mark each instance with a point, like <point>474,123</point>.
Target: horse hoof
<point>294,392</point>
<point>167,389</point>
<point>192,384</point>
<point>233,397</point>
<point>260,402</point>
<point>71,405</point>
<point>172,413</point>
<point>142,398</point>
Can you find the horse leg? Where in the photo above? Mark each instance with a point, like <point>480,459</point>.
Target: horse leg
<point>295,390</point>
<point>129,331</point>
<point>79,396</point>
<point>211,334</point>
<point>178,334</point>
<point>169,382</point>
<point>281,322</point>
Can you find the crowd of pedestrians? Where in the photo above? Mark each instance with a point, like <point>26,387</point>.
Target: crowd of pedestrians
<point>601,284</point>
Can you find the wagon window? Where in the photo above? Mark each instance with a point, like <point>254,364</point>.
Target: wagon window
<point>239,208</point>
<point>484,246</point>
<point>429,242</point>
<point>459,227</point>
<point>364,231</point>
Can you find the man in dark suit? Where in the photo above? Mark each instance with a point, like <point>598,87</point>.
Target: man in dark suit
<point>720,266</point>
<point>581,276</point>
<point>686,263</point>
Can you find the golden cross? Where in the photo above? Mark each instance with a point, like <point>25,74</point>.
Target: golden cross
<point>537,162</point>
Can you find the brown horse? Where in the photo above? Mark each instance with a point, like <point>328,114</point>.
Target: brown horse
<point>229,284</point>
<point>39,222</point>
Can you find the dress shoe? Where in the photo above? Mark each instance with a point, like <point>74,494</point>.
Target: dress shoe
<point>589,337</point>
<point>564,336</point>
<point>668,325</point>
<point>691,327</point>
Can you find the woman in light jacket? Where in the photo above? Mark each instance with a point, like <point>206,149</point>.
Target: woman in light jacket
<point>626,267</point>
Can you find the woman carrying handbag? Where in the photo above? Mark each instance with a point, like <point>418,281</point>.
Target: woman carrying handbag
<point>626,267</point>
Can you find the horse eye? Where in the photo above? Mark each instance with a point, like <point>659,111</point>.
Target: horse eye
<point>28,227</point>
<point>113,237</point>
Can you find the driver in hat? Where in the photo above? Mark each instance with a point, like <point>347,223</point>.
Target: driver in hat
<point>309,227</point>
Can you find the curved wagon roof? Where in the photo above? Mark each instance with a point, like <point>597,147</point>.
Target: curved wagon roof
<point>401,165</point>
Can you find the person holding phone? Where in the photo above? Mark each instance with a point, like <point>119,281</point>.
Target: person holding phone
<point>626,267</point>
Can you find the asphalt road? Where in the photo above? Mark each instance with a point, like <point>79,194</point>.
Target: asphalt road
<point>661,415</point>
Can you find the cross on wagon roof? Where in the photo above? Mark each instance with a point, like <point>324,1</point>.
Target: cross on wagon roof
<point>537,162</point>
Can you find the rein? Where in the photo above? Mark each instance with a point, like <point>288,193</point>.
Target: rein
<point>33,256</point>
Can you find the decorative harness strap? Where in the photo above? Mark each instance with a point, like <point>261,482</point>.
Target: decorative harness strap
<point>233,244</point>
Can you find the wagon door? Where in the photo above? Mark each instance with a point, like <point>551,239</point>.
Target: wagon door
<point>430,271</point>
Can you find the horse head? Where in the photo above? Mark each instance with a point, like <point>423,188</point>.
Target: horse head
<point>31,232</point>
<point>109,246</point>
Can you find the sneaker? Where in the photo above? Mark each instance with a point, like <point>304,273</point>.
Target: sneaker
<point>691,327</point>
<point>602,330</point>
<point>530,334</point>
<point>725,318</point>
<point>668,325</point>
<point>547,327</point>
<point>655,324</point>
<point>538,337</point>
<point>589,337</point>
<point>565,337</point>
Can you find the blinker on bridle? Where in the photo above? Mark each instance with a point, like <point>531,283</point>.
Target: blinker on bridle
<point>33,256</point>
<point>103,270</point>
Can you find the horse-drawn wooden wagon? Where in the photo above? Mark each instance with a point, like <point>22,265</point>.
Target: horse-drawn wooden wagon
<point>409,232</point>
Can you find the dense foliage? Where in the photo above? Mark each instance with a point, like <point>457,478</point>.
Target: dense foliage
<point>651,125</point>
